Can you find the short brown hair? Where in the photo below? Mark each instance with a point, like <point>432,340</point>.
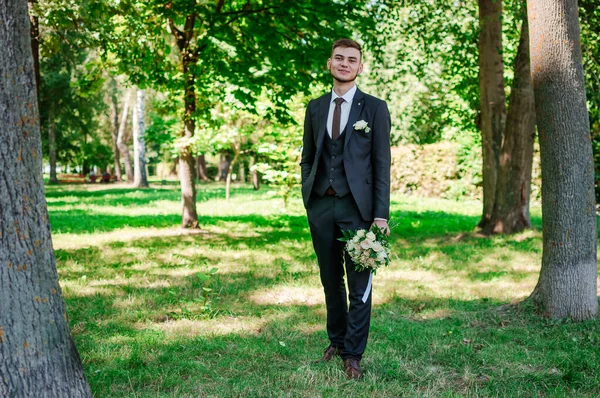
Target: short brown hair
<point>346,43</point>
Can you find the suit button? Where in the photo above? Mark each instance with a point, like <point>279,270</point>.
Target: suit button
<point>333,157</point>
<point>333,169</point>
<point>331,180</point>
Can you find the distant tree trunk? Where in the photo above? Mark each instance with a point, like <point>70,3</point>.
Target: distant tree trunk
<point>52,147</point>
<point>567,283</point>
<point>201,167</point>
<point>224,162</point>
<point>492,98</point>
<point>511,205</point>
<point>123,150</point>
<point>173,171</point>
<point>37,354</point>
<point>236,154</point>
<point>254,174</point>
<point>189,59</point>
<point>139,144</point>
<point>242,172</point>
<point>115,128</point>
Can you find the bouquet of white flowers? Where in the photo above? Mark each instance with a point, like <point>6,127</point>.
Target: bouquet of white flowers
<point>368,249</point>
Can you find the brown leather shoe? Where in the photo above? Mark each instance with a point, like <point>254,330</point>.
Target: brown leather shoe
<point>352,368</point>
<point>329,353</point>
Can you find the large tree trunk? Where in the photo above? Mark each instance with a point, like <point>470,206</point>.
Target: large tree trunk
<point>123,150</point>
<point>492,98</point>
<point>568,278</point>
<point>189,217</point>
<point>114,132</point>
<point>511,205</point>
<point>37,354</point>
<point>139,144</point>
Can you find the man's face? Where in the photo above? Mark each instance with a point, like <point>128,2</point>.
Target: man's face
<point>344,64</point>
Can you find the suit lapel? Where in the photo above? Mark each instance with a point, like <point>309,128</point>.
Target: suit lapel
<point>357,106</point>
<point>323,113</point>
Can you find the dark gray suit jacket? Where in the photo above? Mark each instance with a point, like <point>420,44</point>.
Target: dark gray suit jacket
<point>367,156</point>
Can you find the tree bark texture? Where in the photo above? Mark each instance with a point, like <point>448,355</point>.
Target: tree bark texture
<point>37,355</point>
<point>123,150</point>
<point>189,59</point>
<point>115,128</point>
<point>567,286</point>
<point>139,144</point>
<point>492,98</point>
<point>513,186</point>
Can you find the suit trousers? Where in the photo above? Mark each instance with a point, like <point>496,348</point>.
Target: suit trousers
<point>347,328</point>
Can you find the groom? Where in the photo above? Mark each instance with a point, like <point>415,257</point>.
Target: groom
<point>345,186</point>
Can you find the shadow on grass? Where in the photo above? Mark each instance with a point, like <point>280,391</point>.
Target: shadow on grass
<point>473,348</point>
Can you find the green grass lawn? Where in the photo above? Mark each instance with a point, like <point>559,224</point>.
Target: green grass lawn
<point>236,309</point>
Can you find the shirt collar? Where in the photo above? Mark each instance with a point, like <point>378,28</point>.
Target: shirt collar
<point>347,97</point>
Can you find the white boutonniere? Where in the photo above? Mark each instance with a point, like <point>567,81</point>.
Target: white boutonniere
<point>362,125</point>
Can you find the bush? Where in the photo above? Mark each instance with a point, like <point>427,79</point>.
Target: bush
<point>445,170</point>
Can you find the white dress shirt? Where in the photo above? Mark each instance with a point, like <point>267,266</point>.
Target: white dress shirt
<point>346,105</point>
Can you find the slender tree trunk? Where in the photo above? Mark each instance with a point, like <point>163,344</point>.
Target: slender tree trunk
<point>189,217</point>
<point>189,59</point>
<point>224,163</point>
<point>568,278</point>
<point>123,150</point>
<point>52,147</point>
<point>201,168</point>
<point>236,154</point>
<point>37,354</point>
<point>242,172</point>
<point>115,128</point>
<point>139,144</point>
<point>492,98</point>
<point>511,205</point>
<point>254,174</point>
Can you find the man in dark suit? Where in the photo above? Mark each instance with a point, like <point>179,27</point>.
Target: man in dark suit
<point>345,186</point>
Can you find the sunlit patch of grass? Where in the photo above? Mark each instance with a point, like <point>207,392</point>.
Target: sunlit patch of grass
<point>236,308</point>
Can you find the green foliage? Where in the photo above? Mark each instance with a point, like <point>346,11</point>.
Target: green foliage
<point>71,89</point>
<point>280,156</point>
<point>446,170</point>
<point>237,47</point>
<point>430,73</point>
